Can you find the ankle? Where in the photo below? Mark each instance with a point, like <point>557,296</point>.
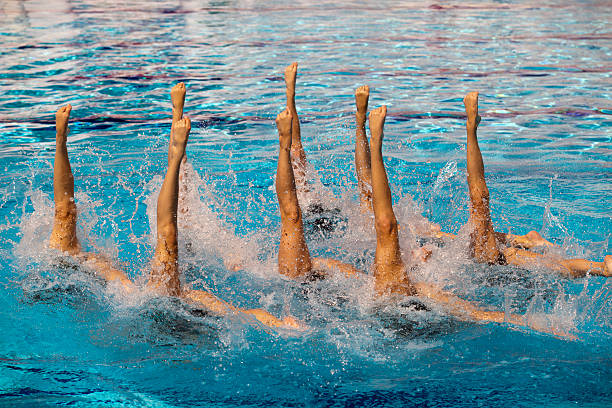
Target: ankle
<point>376,137</point>
<point>174,163</point>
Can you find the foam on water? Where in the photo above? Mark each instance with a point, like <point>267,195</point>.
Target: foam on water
<point>216,258</point>
<point>342,313</point>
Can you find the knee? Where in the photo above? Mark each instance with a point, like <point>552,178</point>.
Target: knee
<point>294,215</point>
<point>168,232</point>
<point>65,209</point>
<point>480,205</point>
<point>386,224</point>
<point>479,193</point>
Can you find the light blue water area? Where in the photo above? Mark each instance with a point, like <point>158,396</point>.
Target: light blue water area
<point>543,73</point>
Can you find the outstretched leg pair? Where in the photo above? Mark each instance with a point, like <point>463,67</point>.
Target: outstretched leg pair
<point>164,277</point>
<point>294,258</point>
<point>364,180</point>
<point>486,244</point>
<point>390,273</point>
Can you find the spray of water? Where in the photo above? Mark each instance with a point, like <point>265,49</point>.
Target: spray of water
<point>242,267</point>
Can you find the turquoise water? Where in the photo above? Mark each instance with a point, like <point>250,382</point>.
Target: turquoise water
<point>543,71</point>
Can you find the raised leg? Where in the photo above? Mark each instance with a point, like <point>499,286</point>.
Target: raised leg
<point>298,156</point>
<point>293,255</point>
<point>164,275</point>
<point>363,165</point>
<point>177,96</point>
<point>63,235</point>
<point>483,243</point>
<point>389,269</point>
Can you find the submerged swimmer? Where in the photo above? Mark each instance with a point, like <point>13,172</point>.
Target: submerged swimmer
<point>320,218</point>
<point>489,246</point>
<point>390,272</point>
<point>294,259</point>
<point>164,276</point>
<point>486,244</point>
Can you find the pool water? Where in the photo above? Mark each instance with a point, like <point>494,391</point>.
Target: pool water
<point>543,72</point>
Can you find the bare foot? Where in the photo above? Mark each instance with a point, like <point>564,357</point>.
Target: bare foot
<point>272,321</point>
<point>377,123</point>
<point>290,74</point>
<point>362,94</point>
<point>61,121</point>
<point>537,240</point>
<point>177,95</point>
<point>283,124</point>
<point>530,240</point>
<point>471,108</point>
<point>293,323</point>
<point>607,270</point>
<point>180,135</point>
